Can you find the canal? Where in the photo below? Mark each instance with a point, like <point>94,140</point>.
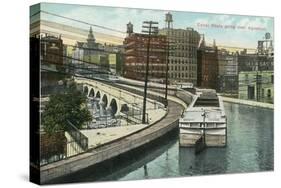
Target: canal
<point>249,149</point>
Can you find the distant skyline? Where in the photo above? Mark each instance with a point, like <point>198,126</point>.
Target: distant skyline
<point>213,26</point>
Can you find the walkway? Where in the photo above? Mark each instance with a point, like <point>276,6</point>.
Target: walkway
<point>248,102</point>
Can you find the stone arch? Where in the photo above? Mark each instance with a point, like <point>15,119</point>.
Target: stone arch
<point>86,90</point>
<point>92,92</point>
<point>124,108</point>
<point>98,95</point>
<point>105,100</point>
<point>114,107</point>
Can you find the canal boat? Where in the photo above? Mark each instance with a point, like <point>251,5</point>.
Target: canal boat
<point>204,121</point>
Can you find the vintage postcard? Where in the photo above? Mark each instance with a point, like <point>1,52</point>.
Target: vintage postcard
<point>129,94</point>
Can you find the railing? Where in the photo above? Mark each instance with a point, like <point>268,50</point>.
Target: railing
<point>138,92</point>
<point>60,147</point>
<point>79,137</point>
<point>134,118</point>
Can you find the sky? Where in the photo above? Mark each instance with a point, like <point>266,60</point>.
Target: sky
<point>228,30</point>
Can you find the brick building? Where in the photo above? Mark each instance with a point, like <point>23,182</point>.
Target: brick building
<point>136,56</point>
<point>227,72</point>
<point>207,58</point>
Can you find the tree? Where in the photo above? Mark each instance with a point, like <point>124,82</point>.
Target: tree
<point>63,107</point>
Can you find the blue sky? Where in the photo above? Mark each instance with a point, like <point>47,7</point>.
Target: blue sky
<point>117,18</point>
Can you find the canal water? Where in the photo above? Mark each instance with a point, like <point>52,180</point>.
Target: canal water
<point>249,149</point>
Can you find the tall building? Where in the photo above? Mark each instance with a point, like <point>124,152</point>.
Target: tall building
<point>135,45</point>
<point>227,72</point>
<point>208,68</point>
<point>183,44</point>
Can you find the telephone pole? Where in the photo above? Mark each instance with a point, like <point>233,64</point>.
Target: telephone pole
<point>168,20</point>
<point>258,81</point>
<point>149,28</point>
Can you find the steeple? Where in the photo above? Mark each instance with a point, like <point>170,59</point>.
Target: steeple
<point>91,41</point>
<point>91,35</point>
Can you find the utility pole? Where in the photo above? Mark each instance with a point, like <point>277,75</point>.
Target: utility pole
<point>168,20</point>
<point>151,30</point>
<point>258,80</point>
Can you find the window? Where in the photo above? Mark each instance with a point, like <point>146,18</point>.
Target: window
<point>268,93</point>
<point>272,79</point>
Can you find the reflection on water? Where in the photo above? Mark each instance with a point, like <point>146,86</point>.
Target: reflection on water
<point>249,148</point>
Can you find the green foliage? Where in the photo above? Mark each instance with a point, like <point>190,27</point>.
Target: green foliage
<point>63,107</point>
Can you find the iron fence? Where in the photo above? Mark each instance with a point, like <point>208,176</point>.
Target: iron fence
<point>69,143</point>
<point>77,136</point>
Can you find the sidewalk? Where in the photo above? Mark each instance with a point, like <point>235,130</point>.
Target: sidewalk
<point>248,102</point>
<point>104,135</point>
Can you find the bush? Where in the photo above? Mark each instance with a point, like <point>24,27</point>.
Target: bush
<point>68,106</point>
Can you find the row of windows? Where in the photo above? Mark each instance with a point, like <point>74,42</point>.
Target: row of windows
<point>259,78</point>
<point>182,75</point>
<point>182,61</point>
<point>183,47</point>
<point>192,68</point>
<point>183,54</point>
<point>183,35</point>
<point>152,46</point>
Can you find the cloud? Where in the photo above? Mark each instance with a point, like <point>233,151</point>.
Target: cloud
<point>117,18</point>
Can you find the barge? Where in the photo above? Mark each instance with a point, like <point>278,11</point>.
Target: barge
<point>204,122</point>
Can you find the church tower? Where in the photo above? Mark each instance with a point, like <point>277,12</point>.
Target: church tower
<point>91,41</point>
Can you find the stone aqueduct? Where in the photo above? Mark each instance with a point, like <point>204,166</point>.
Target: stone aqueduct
<point>108,100</point>
<point>117,99</point>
